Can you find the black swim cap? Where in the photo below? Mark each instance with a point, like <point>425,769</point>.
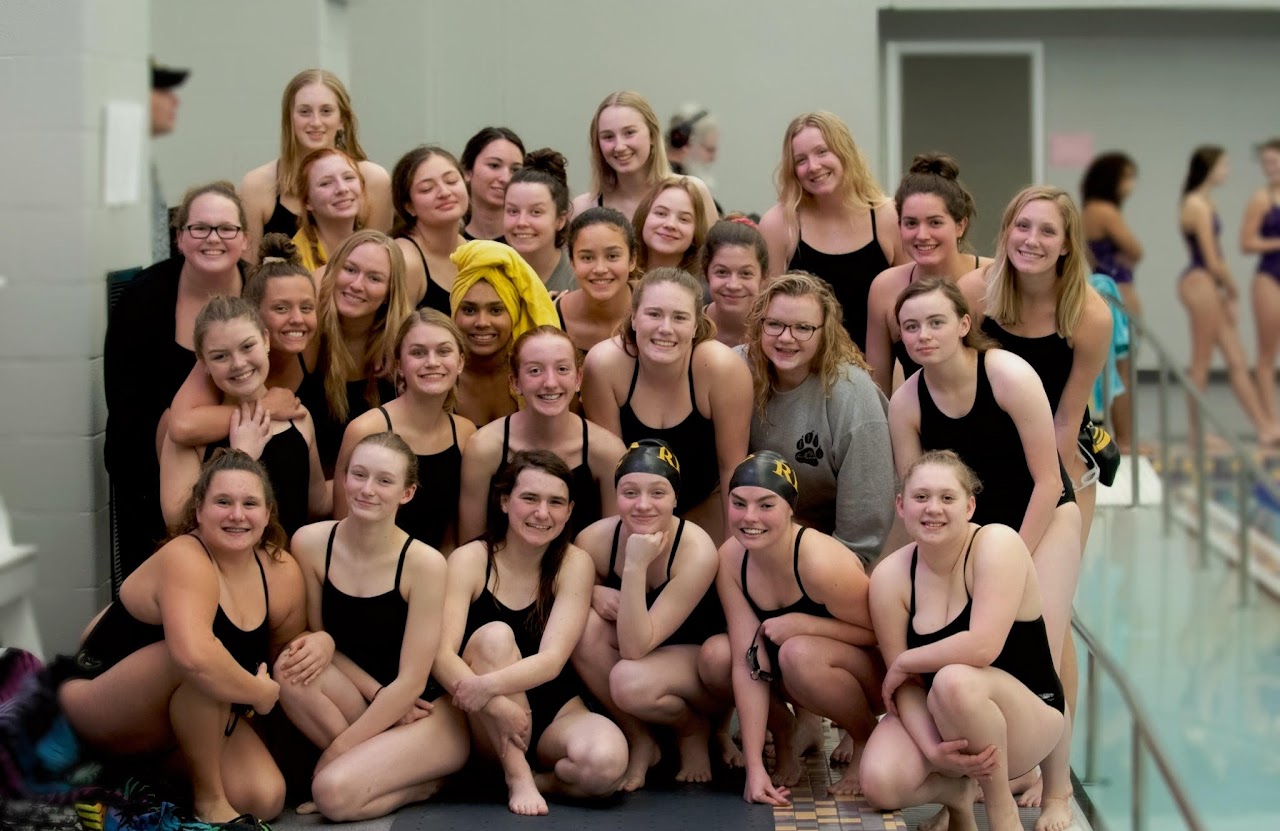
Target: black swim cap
<point>770,471</point>
<point>649,456</point>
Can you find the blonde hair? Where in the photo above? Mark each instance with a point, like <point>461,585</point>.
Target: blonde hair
<point>605,178</point>
<point>857,186</point>
<point>1003,298</point>
<point>290,152</point>
<point>689,259</point>
<point>836,349</point>
<point>338,362</point>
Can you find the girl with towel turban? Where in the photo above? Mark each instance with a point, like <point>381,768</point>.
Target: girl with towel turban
<point>496,297</point>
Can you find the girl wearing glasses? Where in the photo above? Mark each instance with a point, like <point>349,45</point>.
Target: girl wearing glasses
<point>971,398</point>
<point>636,385</point>
<point>972,695</point>
<point>315,114</point>
<point>154,322</point>
<point>799,628</point>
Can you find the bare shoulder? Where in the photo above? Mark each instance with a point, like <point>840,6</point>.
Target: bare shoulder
<point>309,541</point>
<point>973,286</point>
<point>485,441</point>
<point>1007,369</point>
<point>905,403</point>
<point>774,221</point>
<point>596,540</point>
<point>999,547</point>
<point>887,212</point>
<point>714,357</point>
<point>892,574</point>
<point>469,560</point>
<point>606,447</point>
<point>374,173</point>
<point>466,429</point>
<point>577,565</point>
<point>889,283</point>
<point>259,184</point>
<point>582,202</point>
<point>605,356</point>
<point>424,562</point>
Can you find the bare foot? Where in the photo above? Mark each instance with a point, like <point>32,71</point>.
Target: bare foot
<point>306,808</point>
<point>843,754</point>
<point>1004,820</point>
<point>695,760</point>
<point>215,810</point>
<point>1055,814</point>
<point>524,798</point>
<point>847,784</point>
<point>787,767</point>
<point>940,821</point>
<point>1031,797</point>
<point>806,736</point>
<point>730,753</point>
<point>644,755</point>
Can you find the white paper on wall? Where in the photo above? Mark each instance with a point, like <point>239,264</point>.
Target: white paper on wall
<point>123,144</point>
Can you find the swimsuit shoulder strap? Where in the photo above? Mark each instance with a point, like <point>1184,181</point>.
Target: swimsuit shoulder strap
<point>453,428</point>
<point>635,373</point>
<point>586,457</point>
<point>675,545</point>
<point>386,416</point>
<point>911,610</point>
<point>613,552</point>
<point>400,565</point>
<point>506,440</point>
<point>874,236</point>
<point>328,550</point>
<point>795,562</point>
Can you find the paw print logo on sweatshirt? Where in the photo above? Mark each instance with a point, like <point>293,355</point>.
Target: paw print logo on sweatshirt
<point>807,450</point>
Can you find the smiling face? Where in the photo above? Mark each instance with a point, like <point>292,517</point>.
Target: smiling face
<point>316,117</point>
<point>929,235</point>
<point>734,276</point>
<point>934,505</point>
<point>361,284</point>
<point>791,355</point>
<point>601,261</point>
<point>235,354</point>
<point>334,191</point>
<point>213,254</point>
<point>438,194</point>
<point>931,329</point>
<point>234,511</point>
<point>484,321</point>
<point>494,167</point>
<point>548,375</point>
<point>624,139</point>
<point>669,228</point>
<point>758,517</point>
<point>289,310</point>
<point>529,218</point>
<point>375,483</point>
<point>665,322</point>
<point>538,507</point>
<point>1036,238</point>
<point>646,502</point>
<point>816,167</point>
<point>430,360</point>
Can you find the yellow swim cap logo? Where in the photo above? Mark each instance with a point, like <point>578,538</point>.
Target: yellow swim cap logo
<point>784,470</point>
<point>667,456</point>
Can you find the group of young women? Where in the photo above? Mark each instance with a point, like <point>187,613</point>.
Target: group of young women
<point>550,483</point>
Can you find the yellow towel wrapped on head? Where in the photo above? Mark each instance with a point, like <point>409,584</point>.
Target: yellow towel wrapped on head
<point>516,283</point>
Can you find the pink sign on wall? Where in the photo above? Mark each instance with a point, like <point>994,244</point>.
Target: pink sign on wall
<point>1070,149</point>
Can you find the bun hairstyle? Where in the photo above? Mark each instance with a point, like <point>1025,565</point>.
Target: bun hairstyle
<point>937,174</point>
<point>277,257</point>
<point>547,167</point>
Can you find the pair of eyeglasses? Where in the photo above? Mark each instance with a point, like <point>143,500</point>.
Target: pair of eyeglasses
<point>753,660</point>
<point>201,231</point>
<point>799,331</point>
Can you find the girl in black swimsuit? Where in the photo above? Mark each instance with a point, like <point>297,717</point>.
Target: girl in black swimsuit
<point>231,343</point>
<point>813,650</point>
<point>546,373</point>
<point>167,664</point>
<point>490,158</point>
<point>516,604</point>
<point>358,683</point>
<point>602,248</point>
<point>429,357</point>
<point>430,196</point>
<point>934,212</point>
<point>654,607</point>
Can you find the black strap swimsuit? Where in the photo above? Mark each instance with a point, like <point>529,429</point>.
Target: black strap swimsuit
<point>899,349</point>
<point>369,630</point>
<point>804,606</point>
<point>282,221</point>
<point>434,506</point>
<point>704,620</point>
<point>287,459</point>
<point>1050,356</point>
<point>435,296</point>
<point>849,275</point>
<point>585,490</point>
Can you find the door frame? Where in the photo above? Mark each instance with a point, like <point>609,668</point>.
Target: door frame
<point>898,49</point>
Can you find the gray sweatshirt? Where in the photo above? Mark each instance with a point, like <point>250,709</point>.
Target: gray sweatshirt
<point>839,449</point>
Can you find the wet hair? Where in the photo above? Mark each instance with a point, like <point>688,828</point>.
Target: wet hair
<point>975,338</point>
<point>858,188</point>
<point>545,330</point>
<point>274,538</point>
<point>1202,162</point>
<point>967,479</point>
<point>221,188</point>
<point>336,359</point>
<point>704,328</point>
<point>432,317</point>
<point>1003,300</point>
<point>290,151</point>
<point>547,167</point>
<point>602,216</point>
<point>495,535</point>
<point>393,442</point>
<point>689,260</point>
<point>605,178</point>
<point>277,257</point>
<point>402,183</point>
<point>1101,181</point>
<point>482,139</point>
<point>734,231</point>
<point>836,350</point>
<point>937,174</point>
<point>306,222</point>
<point>224,309</point>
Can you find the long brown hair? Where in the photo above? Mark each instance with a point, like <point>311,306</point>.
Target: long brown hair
<point>975,338</point>
<point>495,535</point>
<point>689,259</point>
<point>274,539</point>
